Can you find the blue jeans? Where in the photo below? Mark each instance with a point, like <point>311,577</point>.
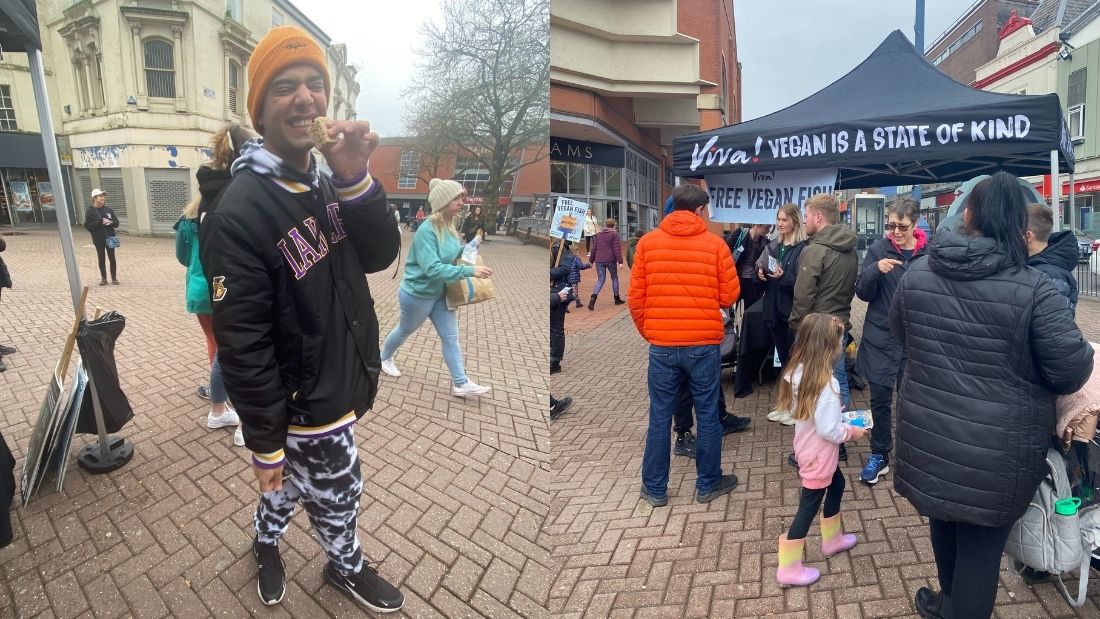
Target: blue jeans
<point>700,366</point>
<point>218,394</point>
<point>840,373</point>
<point>414,311</point>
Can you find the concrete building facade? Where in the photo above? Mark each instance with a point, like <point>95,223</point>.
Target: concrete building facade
<point>972,40</point>
<point>138,89</point>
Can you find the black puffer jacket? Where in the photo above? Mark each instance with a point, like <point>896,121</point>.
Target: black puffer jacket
<point>1058,261</point>
<point>779,291</point>
<point>880,355</point>
<point>989,347</point>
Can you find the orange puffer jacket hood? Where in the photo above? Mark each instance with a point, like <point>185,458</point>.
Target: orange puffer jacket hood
<point>682,276</point>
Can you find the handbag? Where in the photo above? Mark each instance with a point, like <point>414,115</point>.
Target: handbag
<point>113,242</point>
<point>469,290</point>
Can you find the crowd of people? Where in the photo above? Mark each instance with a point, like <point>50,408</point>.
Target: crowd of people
<point>971,344</point>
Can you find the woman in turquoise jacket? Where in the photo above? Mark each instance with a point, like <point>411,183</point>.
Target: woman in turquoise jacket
<point>429,267</point>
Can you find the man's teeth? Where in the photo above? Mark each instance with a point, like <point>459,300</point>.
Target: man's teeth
<point>301,123</point>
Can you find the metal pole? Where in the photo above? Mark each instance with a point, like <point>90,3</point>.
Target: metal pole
<point>918,28</point>
<point>1072,207</point>
<point>53,165</point>
<point>1055,191</point>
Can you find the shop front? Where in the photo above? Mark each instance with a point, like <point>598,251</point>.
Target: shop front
<point>1086,200</point>
<point>617,182</point>
<point>26,193</point>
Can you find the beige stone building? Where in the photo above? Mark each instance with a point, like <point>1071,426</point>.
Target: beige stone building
<point>137,89</point>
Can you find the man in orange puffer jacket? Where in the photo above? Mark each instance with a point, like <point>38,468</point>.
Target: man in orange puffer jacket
<point>682,276</point>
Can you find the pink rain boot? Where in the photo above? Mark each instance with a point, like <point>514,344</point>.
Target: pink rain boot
<point>832,540</point>
<point>791,571</point>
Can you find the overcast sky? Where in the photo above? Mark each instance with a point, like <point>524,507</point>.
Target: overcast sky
<point>790,49</point>
<point>381,37</point>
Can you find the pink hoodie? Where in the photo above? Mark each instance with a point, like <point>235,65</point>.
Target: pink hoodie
<point>817,441</point>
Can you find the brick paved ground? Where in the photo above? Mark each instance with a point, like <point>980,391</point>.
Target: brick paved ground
<point>455,492</point>
<point>619,557</point>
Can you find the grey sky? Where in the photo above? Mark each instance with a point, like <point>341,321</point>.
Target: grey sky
<point>381,37</point>
<point>790,49</point>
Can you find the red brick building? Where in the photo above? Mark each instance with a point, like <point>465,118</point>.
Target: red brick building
<point>623,84</point>
<point>972,40</point>
<point>404,171</point>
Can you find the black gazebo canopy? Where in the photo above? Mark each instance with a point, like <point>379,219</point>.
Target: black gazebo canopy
<point>894,119</point>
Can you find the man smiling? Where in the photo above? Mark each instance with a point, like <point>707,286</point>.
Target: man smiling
<point>287,249</point>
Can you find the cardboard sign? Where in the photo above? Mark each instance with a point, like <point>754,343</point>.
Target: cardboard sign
<point>568,221</point>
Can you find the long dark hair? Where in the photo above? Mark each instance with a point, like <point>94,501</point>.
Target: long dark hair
<point>998,210</point>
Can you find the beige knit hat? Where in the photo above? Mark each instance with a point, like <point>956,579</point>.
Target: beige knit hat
<point>442,191</point>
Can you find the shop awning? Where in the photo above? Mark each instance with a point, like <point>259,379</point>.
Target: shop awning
<point>21,150</point>
<point>1089,185</point>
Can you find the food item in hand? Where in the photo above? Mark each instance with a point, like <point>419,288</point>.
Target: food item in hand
<point>319,131</point>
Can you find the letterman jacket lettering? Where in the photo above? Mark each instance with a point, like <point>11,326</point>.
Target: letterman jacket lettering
<point>293,315</point>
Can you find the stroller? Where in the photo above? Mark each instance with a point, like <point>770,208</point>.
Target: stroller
<point>1044,542</point>
<point>731,340</point>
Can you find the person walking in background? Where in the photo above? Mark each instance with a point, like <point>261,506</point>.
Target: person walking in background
<point>591,229</point>
<point>1053,254</point>
<point>500,220</point>
<point>571,260</point>
<point>607,255</point>
<point>683,331</point>
<point>472,224</point>
<point>989,343</point>
<point>783,253</point>
<point>423,292</point>
<point>827,271</point>
<point>213,176</point>
<point>811,392</point>
<point>632,248</point>
<point>881,357</point>
<point>419,219</point>
<point>101,222</point>
<point>287,249</point>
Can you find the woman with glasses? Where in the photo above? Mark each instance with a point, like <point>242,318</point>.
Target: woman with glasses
<point>881,357</point>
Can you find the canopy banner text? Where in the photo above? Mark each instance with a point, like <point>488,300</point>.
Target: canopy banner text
<point>755,197</point>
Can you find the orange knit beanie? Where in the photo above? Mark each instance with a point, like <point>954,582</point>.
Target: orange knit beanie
<point>283,47</point>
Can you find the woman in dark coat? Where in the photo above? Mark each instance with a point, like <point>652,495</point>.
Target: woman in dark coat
<point>881,357</point>
<point>101,222</point>
<point>990,343</point>
<point>472,224</point>
<point>778,285</point>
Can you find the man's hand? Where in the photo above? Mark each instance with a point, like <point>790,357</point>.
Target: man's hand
<point>887,264</point>
<point>348,158</point>
<point>270,479</point>
<point>563,294</point>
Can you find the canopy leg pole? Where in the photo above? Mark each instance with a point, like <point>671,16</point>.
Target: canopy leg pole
<point>1055,191</point>
<point>1072,207</point>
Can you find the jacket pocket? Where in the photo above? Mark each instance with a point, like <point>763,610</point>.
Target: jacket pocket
<point>301,376</point>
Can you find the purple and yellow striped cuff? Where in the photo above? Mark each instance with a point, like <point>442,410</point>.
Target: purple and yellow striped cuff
<point>356,190</point>
<point>329,428</point>
<point>272,460</point>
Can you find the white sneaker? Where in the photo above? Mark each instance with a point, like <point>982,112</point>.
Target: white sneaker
<point>787,420</point>
<point>470,388</point>
<point>390,368</point>
<point>776,415</point>
<point>224,420</point>
<point>238,437</point>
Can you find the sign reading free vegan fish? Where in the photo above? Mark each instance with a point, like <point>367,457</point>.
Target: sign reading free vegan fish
<point>755,197</point>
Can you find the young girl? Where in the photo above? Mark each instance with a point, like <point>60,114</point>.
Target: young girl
<point>809,390</point>
<point>576,265</point>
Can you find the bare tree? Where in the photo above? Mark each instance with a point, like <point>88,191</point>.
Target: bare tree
<point>430,139</point>
<point>483,84</point>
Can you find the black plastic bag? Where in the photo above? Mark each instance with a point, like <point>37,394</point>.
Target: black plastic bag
<point>96,340</point>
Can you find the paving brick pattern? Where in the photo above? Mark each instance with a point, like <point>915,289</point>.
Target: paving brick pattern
<point>619,557</point>
<point>455,491</point>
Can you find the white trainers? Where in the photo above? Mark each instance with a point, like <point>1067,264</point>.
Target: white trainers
<point>787,420</point>
<point>238,437</point>
<point>390,368</point>
<point>224,420</point>
<point>470,389</point>
<point>777,415</point>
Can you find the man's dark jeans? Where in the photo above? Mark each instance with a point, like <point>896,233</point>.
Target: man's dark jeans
<point>700,366</point>
<point>682,419</point>
<point>557,333</point>
<point>881,399</point>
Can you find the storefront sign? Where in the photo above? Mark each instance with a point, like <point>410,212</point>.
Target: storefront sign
<point>568,222</point>
<point>578,151</point>
<point>21,196</point>
<point>755,197</point>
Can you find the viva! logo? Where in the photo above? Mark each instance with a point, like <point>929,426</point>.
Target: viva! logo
<point>710,154</point>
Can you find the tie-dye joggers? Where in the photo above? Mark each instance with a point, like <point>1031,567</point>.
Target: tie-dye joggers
<point>323,473</point>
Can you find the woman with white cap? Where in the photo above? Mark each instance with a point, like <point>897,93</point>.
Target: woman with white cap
<point>101,222</point>
<point>423,292</point>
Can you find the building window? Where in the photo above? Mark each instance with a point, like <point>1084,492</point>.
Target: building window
<point>1076,103</point>
<point>406,182</point>
<point>474,176</point>
<point>7,110</point>
<point>959,42</point>
<point>233,10</point>
<point>233,85</point>
<point>160,73</point>
<point>276,18</point>
<point>95,66</point>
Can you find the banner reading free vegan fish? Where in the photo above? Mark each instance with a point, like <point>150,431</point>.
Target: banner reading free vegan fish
<point>755,197</point>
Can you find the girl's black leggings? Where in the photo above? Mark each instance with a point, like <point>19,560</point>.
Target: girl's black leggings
<point>810,502</point>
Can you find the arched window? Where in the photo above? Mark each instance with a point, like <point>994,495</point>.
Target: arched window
<point>95,69</point>
<point>233,85</point>
<point>160,73</point>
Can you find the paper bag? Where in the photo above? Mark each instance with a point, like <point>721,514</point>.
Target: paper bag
<point>469,290</point>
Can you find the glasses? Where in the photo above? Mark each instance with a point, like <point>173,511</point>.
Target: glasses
<point>891,227</point>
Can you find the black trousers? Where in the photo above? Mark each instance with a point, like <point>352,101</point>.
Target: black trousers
<point>751,290</point>
<point>557,334</point>
<point>100,250</point>
<point>810,502</point>
<point>682,418</point>
<point>968,559</point>
<point>882,397</point>
<point>783,339</point>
